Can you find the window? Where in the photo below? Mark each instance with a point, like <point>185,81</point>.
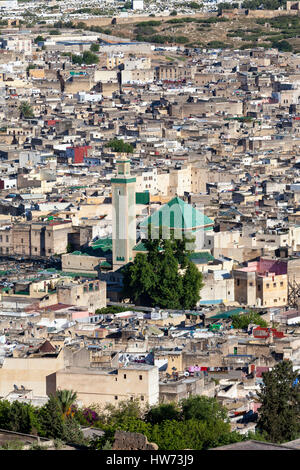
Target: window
<point>124,376</point>
<point>142,398</point>
<point>116,397</point>
<point>140,377</point>
<point>274,284</point>
<point>237,282</point>
<point>281,284</point>
<point>267,285</point>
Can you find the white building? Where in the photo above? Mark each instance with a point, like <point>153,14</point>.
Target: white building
<point>137,4</point>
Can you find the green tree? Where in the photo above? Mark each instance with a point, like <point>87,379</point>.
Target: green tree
<point>203,408</point>
<point>168,291</point>
<point>280,398</point>
<point>26,110</point>
<point>156,279</point>
<point>94,47</point>
<point>22,418</point>
<point>38,39</point>
<point>282,46</point>
<point>139,280</point>
<point>164,411</point>
<point>125,409</point>
<point>4,414</point>
<point>191,285</point>
<point>65,400</point>
<point>118,145</point>
<point>243,321</point>
<point>51,420</point>
<point>89,58</point>
<point>72,432</point>
<point>194,5</point>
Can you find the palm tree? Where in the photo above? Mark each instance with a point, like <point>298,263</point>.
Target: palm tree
<point>26,110</point>
<point>65,400</point>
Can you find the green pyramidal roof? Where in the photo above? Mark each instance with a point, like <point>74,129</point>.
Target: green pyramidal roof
<point>177,214</point>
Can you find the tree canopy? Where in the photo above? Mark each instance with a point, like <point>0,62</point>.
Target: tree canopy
<point>26,110</point>
<point>118,145</point>
<point>163,277</point>
<point>280,398</point>
<point>241,322</point>
<point>88,58</point>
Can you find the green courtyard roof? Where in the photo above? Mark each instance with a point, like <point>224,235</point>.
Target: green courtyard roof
<point>228,314</point>
<point>177,214</point>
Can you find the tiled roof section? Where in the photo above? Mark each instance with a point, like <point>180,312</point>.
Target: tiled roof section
<point>46,347</point>
<point>100,247</point>
<point>201,257</point>
<point>177,214</point>
<point>140,247</point>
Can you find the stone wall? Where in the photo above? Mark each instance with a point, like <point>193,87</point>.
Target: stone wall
<point>132,441</point>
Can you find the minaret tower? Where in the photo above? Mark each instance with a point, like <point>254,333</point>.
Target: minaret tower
<point>124,213</point>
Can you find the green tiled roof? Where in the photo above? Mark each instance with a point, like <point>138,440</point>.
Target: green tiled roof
<point>103,243</point>
<point>228,314</point>
<point>177,214</point>
<point>201,257</point>
<point>140,247</point>
<point>64,273</point>
<point>105,264</point>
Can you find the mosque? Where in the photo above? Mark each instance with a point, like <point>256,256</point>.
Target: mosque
<point>177,217</point>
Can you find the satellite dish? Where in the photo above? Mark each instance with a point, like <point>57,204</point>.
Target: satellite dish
<point>22,387</point>
<point>186,374</point>
<point>15,387</point>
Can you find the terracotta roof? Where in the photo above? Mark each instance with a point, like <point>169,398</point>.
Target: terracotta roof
<point>46,347</point>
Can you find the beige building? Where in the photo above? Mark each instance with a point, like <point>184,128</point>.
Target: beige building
<point>99,386</point>
<point>89,294</point>
<point>78,262</point>
<point>262,284</point>
<point>40,238</point>
<point>34,373</point>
